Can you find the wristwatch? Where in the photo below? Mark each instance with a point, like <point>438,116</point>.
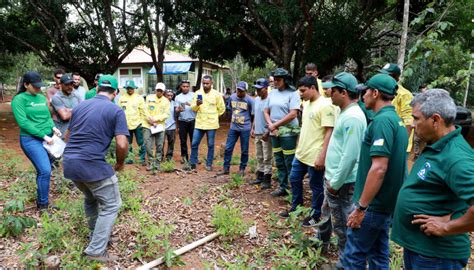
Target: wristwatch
<point>360,207</point>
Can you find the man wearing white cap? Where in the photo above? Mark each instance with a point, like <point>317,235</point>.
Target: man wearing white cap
<point>157,110</point>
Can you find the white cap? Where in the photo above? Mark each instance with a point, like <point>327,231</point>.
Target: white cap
<point>160,86</point>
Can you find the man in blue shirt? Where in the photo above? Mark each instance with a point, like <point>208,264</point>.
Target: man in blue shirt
<point>170,127</point>
<point>93,124</point>
<point>241,106</point>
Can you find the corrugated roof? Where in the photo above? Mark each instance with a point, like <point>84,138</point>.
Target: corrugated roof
<point>142,55</point>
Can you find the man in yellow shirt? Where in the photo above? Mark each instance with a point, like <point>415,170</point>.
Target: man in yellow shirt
<point>311,69</point>
<point>208,105</point>
<point>401,101</point>
<point>318,120</point>
<point>157,110</point>
<point>134,107</point>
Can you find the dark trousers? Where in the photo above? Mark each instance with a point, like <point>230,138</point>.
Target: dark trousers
<point>139,136</point>
<point>170,137</point>
<point>186,130</point>
<point>284,151</point>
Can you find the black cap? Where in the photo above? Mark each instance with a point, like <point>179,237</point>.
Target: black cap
<point>32,77</point>
<point>66,79</point>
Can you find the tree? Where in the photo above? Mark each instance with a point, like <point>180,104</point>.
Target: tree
<point>88,36</point>
<point>403,40</point>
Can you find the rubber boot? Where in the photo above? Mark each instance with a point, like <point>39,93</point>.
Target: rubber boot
<point>267,181</point>
<point>259,179</point>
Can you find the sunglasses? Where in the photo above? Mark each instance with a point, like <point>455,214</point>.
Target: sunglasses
<point>57,77</point>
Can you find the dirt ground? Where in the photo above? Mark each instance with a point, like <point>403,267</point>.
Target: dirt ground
<point>163,196</point>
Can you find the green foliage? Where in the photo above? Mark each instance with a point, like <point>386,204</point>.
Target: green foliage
<point>227,218</point>
<point>154,239</point>
<point>187,201</point>
<point>14,65</point>
<point>252,164</point>
<point>167,166</point>
<point>13,222</point>
<point>396,256</point>
<point>131,201</point>
<point>236,180</point>
<point>9,165</point>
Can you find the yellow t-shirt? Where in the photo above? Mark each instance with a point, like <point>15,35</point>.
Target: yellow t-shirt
<point>134,108</point>
<point>156,108</point>
<point>207,115</point>
<point>316,116</point>
<point>402,107</point>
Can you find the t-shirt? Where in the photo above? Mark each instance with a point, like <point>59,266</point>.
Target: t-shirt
<point>170,123</point>
<point>280,102</point>
<point>91,93</point>
<point>241,112</point>
<point>386,136</point>
<point>80,92</point>
<point>93,124</point>
<point>342,158</point>
<point>259,117</point>
<point>441,182</point>
<point>316,116</point>
<point>32,114</point>
<point>188,114</point>
<point>369,114</point>
<point>61,101</point>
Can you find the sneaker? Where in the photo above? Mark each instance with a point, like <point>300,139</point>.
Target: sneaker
<point>284,214</point>
<point>222,173</point>
<point>310,222</point>
<point>209,168</point>
<point>105,257</point>
<point>279,193</point>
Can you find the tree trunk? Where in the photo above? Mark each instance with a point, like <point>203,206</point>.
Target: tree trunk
<point>149,34</point>
<point>199,75</point>
<point>403,40</point>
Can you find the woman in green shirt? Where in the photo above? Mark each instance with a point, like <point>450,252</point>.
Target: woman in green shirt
<point>30,108</point>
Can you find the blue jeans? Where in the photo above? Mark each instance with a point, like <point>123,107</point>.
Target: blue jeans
<point>232,138</point>
<point>102,202</point>
<point>197,137</point>
<point>37,154</point>
<point>369,243</point>
<point>316,183</point>
<point>415,261</point>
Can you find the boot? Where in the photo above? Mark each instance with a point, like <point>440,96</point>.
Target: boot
<point>267,181</point>
<point>259,179</point>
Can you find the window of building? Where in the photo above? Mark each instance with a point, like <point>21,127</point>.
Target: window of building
<point>130,73</point>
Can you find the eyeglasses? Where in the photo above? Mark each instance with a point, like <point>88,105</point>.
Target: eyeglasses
<point>57,77</point>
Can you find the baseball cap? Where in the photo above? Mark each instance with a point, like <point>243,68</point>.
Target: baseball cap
<point>390,68</point>
<point>160,86</point>
<point>384,83</point>
<point>66,79</point>
<point>280,72</point>
<point>97,76</point>
<point>130,84</point>
<point>33,78</point>
<point>108,80</point>
<point>345,80</point>
<point>242,86</point>
<point>261,83</point>
<point>328,84</point>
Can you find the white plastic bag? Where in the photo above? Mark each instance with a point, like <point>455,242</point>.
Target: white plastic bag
<point>57,148</point>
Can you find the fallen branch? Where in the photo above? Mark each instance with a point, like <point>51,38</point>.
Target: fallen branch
<point>180,251</point>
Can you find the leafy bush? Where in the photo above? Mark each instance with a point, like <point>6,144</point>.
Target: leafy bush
<point>14,223</point>
<point>228,220</point>
<point>167,166</point>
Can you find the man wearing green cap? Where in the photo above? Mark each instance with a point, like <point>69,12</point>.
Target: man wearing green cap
<point>402,100</point>
<point>134,107</point>
<point>94,123</point>
<point>281,111</point>
<point>342,158</point>
<point>382,170</point>
<point>435,206</point>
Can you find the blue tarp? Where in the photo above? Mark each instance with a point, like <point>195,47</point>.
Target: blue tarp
<point>173,68</point>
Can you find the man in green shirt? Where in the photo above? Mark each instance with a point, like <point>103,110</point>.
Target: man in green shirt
<point>382,170</point>
<point>342,158</point>
<point>435,206</point>
<point>93,92</point>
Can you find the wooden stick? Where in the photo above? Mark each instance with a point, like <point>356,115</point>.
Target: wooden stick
<point>180,251</point>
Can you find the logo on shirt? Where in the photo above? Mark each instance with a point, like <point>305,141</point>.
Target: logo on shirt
<point>378,142</point>
<point>32,104</point>
<point>422,173</point>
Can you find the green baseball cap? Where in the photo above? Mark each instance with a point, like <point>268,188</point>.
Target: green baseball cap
<point>391,68</point>
<point>384,83</point>
<point>108,80</point>
<point>280,72</point>
<point>130,84</point>
<point>345,80</point>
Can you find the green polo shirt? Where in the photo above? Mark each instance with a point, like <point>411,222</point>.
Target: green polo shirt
<point>441,182</point>
<point>91,93</point>
<point>386,136</point>
<point>369,114</point>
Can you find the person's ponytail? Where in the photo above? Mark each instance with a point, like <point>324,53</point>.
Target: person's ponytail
<point>21,87</point>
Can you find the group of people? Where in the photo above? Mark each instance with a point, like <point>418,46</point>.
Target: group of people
<point>352,140</point>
